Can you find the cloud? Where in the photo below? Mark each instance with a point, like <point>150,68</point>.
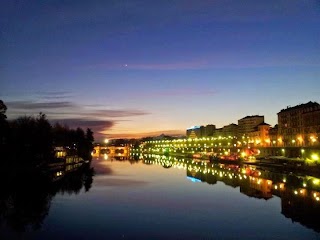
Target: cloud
<point>54,94</point>
<point>118,113</point>
<point>168,66</point>
<point>85,123</point>
<point>56,108</point>
<point>145,134</point>
<point>38,105</point>
<point>74,115</point>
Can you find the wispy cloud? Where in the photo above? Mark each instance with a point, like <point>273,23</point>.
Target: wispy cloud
<point>74,115</point>
<point>144,134</point>
<point>86,123</point>
<point>39,105</point>
<point>221,60</point>
<point>58,107</point>
<point>168,66</point>
<point>118,113</point>
<point>49,95</point>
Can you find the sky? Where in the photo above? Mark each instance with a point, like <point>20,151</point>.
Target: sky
<point>128,69</point>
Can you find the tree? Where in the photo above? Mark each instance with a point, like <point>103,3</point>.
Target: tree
<point>89,136</point>
<point>4,127</point>
<point>3,109</point>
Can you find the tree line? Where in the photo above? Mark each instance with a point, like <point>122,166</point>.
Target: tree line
<point>31,140</point>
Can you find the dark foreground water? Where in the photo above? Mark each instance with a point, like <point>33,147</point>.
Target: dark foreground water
<point>160,198</point>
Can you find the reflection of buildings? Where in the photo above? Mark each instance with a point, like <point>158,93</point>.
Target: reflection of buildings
<point>300,206</point>
<point>258,188</point>
<point>208,178</point>
<point>300,195</point>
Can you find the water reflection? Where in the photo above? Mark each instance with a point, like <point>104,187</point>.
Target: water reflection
<point>26,195</point>
<point>299,193</point>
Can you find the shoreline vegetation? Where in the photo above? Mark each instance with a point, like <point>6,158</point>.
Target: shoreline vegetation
<point>32,173</point>
<point>30,141</point>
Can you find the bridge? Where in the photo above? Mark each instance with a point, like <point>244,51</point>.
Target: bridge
<point>111,150</point>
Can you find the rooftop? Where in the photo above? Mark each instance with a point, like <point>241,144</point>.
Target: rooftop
<point>253,116</point>
<point>300,106</point>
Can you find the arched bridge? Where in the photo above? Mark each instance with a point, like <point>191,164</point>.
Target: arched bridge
<point>110,150</point>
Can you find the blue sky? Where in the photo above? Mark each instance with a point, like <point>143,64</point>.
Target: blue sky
<point>136,68</point>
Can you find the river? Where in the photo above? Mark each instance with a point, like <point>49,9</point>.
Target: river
<point>159,197</point>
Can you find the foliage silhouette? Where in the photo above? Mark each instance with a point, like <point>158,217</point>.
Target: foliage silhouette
<point>31,140</point>
<point>26,194</point>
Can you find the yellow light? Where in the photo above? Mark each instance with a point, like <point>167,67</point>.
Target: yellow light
<point>316,181</point>
<point>315,157</point>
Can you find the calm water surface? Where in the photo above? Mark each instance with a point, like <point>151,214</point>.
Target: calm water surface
<point>164,199</point>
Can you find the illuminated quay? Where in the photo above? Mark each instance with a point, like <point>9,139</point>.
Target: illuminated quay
<point>296,136</point>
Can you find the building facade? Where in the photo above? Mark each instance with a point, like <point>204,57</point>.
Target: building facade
<point>195,132</point>
<point>230,130</point>
<point>299,125</point>
<point>248,124</point>
<point>260,137</point>
<point>209,130</point>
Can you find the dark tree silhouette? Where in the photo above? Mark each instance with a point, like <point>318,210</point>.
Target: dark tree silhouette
<point>25,196</point>
<point>4,127</point>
